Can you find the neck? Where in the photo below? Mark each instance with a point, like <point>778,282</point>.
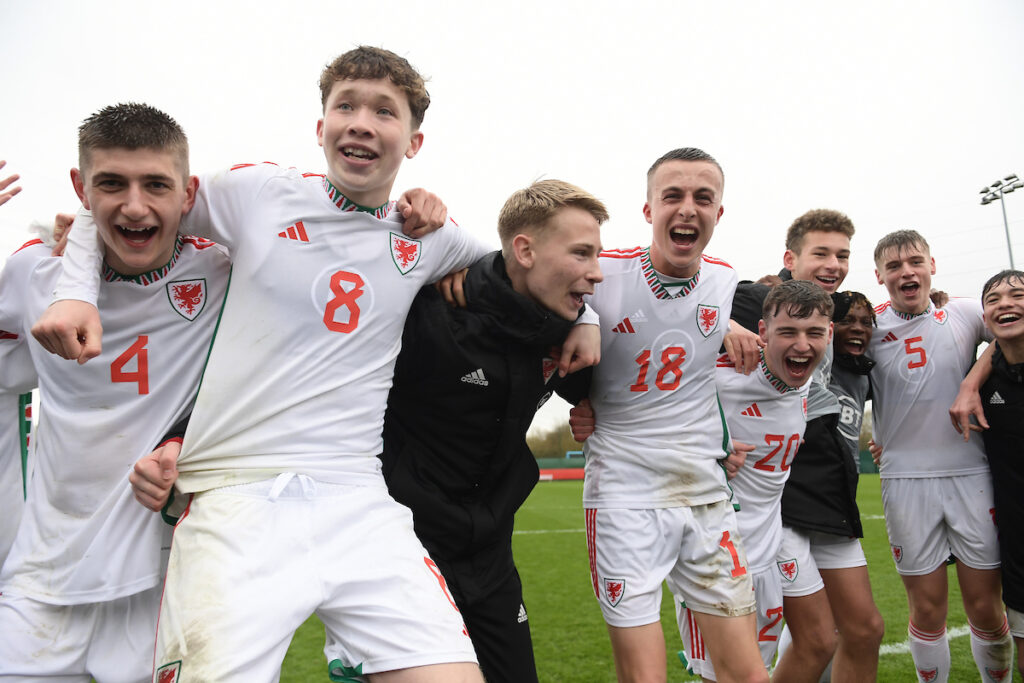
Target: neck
<point>1013,350</point>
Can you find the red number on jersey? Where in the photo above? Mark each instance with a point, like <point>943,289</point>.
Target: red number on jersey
<point>778,440</point>
<point>763,636</point>
<point>922,358</point>
<point>141,373</point>
<point>671,358</point>
<point>644,360</point>
<point>343,298</point>
<point>737,568</point>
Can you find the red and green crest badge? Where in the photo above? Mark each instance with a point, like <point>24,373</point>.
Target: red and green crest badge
<point>707,319</point>
<point>405,252</point>
<point>940,316</point>
<point>613,590</point>
<point>168,673</point>
<point>188,297</point>
<point>789,569</point>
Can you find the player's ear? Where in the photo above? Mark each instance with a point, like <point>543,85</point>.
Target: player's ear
<point>415,142</point>
<point>878,277</point>
<point>721,210</point>
<point>762,329</point>
<point>191,186</point>
<point>647,212</point>
<point>932,259</point>
<point>789,260</point>
<point>522,250</point>
<point>79,183</point>
<point>320,132</point>
<point>831,330</point>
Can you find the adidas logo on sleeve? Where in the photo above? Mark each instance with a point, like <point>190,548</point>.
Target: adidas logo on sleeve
<point>996,400</point>
<point>476,377</point>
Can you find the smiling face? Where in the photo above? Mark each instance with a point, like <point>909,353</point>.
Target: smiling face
<point>558,265</point>
<point>824,259</point>
<point>137,198</point>
<point>853,332</point>
<point>684,203</point>
<point>794,346</point>
<point>1003,305</point>
<point>366,132</point>
<point>906,271</point>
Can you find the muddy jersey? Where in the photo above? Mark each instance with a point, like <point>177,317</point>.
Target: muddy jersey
<point>83,537</point>
<point>920,362</point>
<point>761,410</point>
<point>310,330</point>
<point>660,432</point>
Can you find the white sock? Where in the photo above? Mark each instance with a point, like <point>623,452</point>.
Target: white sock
<point>993,653</point>
<point>931,654</point>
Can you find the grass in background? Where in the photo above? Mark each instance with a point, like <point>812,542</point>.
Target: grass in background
<point>569,636</point>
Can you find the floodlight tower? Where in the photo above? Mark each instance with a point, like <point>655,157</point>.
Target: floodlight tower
<point>996,190</point>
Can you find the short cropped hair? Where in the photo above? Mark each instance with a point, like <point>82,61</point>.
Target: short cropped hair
<point>530,209</point>
<point>1008,276</point>
<point>365,62</point>
<point>131,126</point>
<point>817,220</point>
<point>849,299</point>
<point>800,298</point>
<point>684,154</point>
<point>900,240</point>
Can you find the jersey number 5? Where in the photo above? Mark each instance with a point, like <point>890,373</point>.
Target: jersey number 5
<point>344,298</point>
<point>141,373</point>
<point>908,344</point>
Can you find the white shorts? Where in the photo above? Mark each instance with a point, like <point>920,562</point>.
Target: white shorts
<point>927,519</point>
<point>696,550</point>
<point>250,563</point>
<point>1016,621</point>
<point>768,590</point>
<point>832,551</point>
<point>796,565</point>
<point>110,641</point>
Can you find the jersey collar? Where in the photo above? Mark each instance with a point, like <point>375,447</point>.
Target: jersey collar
<point>911,316</point>
<point>111,275</point>
<point>654,282</point>
<point>779,385</point>
<point>346,204</point>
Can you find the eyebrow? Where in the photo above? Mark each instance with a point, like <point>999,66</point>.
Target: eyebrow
<point>149,176</point>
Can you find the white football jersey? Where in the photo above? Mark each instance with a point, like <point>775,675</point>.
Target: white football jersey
<point>761,410</point>
<point>299,374</point>
<point>921,360</point>
<point>83,537</point>
<point>15,422</point>
<point>660,431</point>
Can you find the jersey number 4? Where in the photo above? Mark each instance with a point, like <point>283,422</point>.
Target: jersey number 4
<point>141,373</point>
<point>344,299</point>
<point>670,373</point>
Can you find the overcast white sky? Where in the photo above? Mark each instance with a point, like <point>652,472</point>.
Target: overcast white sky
<point>896,113</point>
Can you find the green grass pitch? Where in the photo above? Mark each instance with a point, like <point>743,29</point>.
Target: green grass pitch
<point>569,636</point>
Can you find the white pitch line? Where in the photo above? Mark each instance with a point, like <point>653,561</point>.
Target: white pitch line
<point>549,531</point>
<point>872,516</point>
<point>904,647</point>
